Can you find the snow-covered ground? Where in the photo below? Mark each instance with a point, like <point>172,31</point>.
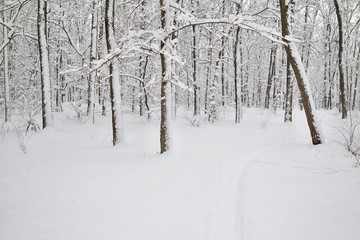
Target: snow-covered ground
<point>261,179</point>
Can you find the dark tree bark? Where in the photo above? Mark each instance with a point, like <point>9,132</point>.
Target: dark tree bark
<point>236,81</point>
<point>47,120</point>
<point>357,68</point>
<point>340,61</point>
<point>289,93</point>
<point>299,71</point>
<point>165,128</point>
<point>91,80</point>
<point>329,105</point>
<point>114,80</point>
<point>196,83</point>
<point>144,96</point>
<point>6,69</point>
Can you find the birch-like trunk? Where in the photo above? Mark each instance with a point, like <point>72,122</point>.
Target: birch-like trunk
<point>114,80</point>
<point>47,119</point>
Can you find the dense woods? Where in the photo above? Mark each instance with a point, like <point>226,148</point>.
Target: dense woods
<point>179,119</point>
<point>149,57</point>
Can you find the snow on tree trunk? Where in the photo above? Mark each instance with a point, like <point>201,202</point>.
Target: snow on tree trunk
<point>301,77</point>
<point>165,123</point>
<point>91,82</point>
<point>47,119</point>
<point>114,80</point>
<point>341,68</point>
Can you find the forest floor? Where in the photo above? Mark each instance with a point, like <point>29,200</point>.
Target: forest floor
<point>260,179</point>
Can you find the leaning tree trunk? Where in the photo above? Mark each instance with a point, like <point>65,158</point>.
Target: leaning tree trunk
<point>301,77</point>
<point>47,120</point>
<point>340,61</point>
<point>114,80</point>
<point>92,77</point>
<point>165,122</point>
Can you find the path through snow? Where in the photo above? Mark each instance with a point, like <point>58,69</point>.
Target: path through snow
<point>261,179</point>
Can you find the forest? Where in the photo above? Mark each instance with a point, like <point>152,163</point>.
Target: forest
<point>185,119</point>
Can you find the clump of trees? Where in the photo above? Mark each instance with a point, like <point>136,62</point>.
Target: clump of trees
<point>109,56</point>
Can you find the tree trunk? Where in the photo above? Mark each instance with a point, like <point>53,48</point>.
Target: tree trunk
<point>236,82</point>
<point>208,74</point>
<point>357,68</point>
<point>329,105</point>
<point>114,80</point>
<point>165,122</point>
<point>270,77</point>
<point>174,37</point>
<point>196,83</point>
<point>301,77</point>
<point>6,72</point>
<point>92,77</point>
<point>340,61</point>
<point>289,92</point>
<point>143,96</point>
<point>47,119</point>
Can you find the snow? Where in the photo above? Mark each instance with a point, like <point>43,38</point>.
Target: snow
<point>261,179</point>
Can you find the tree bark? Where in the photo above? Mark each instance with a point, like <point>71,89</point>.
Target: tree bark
<point>47,119</point>
<point>299,71</point>
<point>92,77</point>
<point>114,80</point>
<point>270,77</point>
<point>289,92</point>
<point>195,80</point>
<point>357,68</point>
<point>340,61</point>
<point>236,81</point>
<point>6,71</point>
<point>165,122</point>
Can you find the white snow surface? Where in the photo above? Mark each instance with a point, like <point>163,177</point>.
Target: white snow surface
<point>260,179</point>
